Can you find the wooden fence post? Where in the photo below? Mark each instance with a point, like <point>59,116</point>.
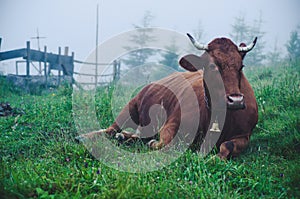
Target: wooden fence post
<point>59,64</point>
<point>17,68</point>
<point>115,70</point>
<point>66,53</point>
<point>45,67</point>
<point>72,61</point>
<point>28,58</point>
<point>119,70</point>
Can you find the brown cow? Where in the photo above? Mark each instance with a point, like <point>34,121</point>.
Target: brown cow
<point>182,102</point>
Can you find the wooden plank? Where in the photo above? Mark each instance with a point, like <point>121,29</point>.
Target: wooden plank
<point>36,55</point>
<point>12,54</point>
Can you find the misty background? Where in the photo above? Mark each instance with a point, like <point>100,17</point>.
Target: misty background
<point>73,23</point>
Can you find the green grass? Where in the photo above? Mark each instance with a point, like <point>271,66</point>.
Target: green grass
<point>39,157</point>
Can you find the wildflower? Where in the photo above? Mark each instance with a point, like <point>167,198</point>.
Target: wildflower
<point>67,159</point>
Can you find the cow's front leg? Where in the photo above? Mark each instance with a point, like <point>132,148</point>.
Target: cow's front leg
<point>128,118</point>
<point>90,136</point>
<point>233,147</point>
<point>111,132</point>
<point>166,135</point>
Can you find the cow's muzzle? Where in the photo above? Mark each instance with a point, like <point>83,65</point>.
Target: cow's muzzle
<point>235,101</point>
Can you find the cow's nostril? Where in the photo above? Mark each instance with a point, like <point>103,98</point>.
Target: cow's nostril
<point>235,98</point>
<point>229,99</point>
<point>235,101</point>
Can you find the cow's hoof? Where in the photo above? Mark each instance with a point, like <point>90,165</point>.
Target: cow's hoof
<point>151,142</point>
<point>222,156</point>
<point>120,137</point>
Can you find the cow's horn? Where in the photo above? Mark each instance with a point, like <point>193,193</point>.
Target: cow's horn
<point>249,47</point>
<point>196,44</point>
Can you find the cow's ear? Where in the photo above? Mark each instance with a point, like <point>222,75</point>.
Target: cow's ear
<point>193,62</point>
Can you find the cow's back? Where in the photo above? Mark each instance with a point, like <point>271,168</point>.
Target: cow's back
<point>180,94</point>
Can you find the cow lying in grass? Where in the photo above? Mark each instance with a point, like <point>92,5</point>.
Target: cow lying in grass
<point>182,94</point>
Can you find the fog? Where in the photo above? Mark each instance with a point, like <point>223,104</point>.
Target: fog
<point>73,23</point>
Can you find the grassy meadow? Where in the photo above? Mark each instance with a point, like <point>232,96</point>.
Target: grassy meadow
<point>39,157</point>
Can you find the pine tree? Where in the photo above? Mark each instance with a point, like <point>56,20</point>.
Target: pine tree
<point>198,32</point>
<point>274,57</point>
<point>293,46</point>
<point>241,32</point>
<point>257,55</point>
<point>240,29</point>
<point>198,35</point>
<point>170,57</point>
<point>140,41</point>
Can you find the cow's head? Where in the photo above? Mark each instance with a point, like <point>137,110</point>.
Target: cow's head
<point>222,57</point>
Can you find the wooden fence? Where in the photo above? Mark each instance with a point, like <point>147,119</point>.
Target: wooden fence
<point>63,63</point>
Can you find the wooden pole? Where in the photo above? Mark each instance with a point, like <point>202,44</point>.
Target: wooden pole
<point>28,59</point>
<point>119,69</point>
<point>17,70</point>
<point>73,55</point>
<point>59,64</point>
<point>115,70</point>
<point>96,70</point>
<point>72,82</point>
<point>45,67</point>
<point>66,53</point>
